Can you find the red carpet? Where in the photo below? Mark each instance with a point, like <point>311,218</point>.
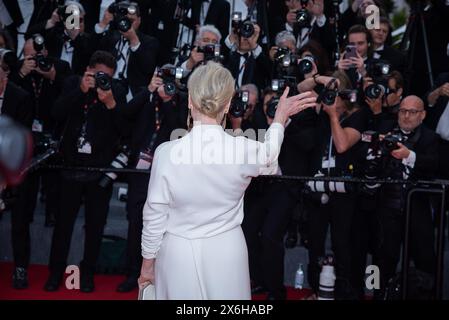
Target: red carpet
<point>104,288</point>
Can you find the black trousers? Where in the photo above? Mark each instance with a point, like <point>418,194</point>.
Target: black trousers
<point>391,232</point>
<point>23,210</point>
<point>267,214</point>
<point>96,205</point>
<point>137,194</point>
<point>338,213</point>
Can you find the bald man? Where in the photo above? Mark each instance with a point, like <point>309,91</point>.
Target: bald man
<point>416,158</point>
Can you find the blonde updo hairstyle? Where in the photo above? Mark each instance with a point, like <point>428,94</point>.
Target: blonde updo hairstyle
<point>211,88</point>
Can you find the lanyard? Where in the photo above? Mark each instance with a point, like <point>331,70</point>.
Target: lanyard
<point>86,108</point>
<point>37,89</point>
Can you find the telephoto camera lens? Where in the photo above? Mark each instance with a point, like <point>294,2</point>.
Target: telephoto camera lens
<point>239,104</point>
<point>43,63</point>
<point>103,81</point>
<point>120,162</point>
<point>306,65</point>
<point>329,97</point>
<point>124,24</point>
<point>169,88</point>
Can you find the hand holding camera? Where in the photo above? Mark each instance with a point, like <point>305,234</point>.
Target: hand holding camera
<point>195,58</point>
<point>155,83</point>
<point>107,97</point>
<point>291,17</point>
<point>50,74</point>
<point>402,152</point>
<point>253,39</point>
<point>444,90</point>
<point>107,18</point>
<point>54,19</point>
<point>87,81</point>
<point>289,106</point>
<point>29,65</point>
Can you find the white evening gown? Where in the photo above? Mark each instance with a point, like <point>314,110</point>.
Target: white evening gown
<point>194,209</point>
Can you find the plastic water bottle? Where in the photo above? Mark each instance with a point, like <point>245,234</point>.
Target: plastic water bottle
<point>299,278</point>
<point>327,283</point>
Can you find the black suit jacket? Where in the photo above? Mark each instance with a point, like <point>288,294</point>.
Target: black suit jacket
<point>17,105</point>
<point>394,56</point>
<point>43,10</point>
<point>257,71</point>
<point>43,104</point>
<point>141,63</point>
<point>104,126</point>
<point>434,113</point>
<point>218,15</point>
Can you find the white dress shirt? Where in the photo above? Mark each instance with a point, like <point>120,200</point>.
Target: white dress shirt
<point>198,182</point>
<point>304,35</point>
<point>443,124</point>
<point>67,52</point>
<point>203,12</point>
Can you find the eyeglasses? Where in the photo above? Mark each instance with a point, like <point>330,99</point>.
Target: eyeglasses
<point>411,112</point>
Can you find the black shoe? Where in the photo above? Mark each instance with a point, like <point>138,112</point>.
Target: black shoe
<point>20,278</point>
<point>128,285</point>
<point>53,282</point>
<point>87,282</point>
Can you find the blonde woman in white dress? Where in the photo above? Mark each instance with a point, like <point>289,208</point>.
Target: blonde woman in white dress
<point>192,243</point>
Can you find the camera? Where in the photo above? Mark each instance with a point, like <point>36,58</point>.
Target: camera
<point>211,52</point>
<point>239,104</point>
<point>103,81</point>
<point>8,59</point>
<point>285,57</point>
<point>120,11</point>
<point>278,86</point>
<point>328,95</point>
<point>120,162</point>
<point>243,28</point>
<point>378,70</point>
<point>303,17</point>
<point>169,76</point>
<point>305,65</point>
<point>41,61</point>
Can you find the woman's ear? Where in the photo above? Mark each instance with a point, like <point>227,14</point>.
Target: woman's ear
<point>228,106</point>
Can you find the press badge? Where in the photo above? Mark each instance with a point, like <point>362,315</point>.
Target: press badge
<point>37,126</point>
<point>328,163</point>
<point>145,161</point>
<point>84,146</point>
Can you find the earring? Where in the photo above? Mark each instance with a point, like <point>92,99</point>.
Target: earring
<point>189,120</point>
<point>223,121</point>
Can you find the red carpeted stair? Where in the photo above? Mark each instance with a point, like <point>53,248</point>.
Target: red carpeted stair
<point>104,288</point>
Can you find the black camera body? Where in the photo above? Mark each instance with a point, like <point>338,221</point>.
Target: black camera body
<point>239,104</point>
<point>278,86</point>
<point>103,81</point>
<point>305,65</point>
<point>169,76</point>
<point>44,63</point>
<point>120,11</point>
<point>243,28</point>
<point>329,93</point>
<point>303,17</point>
<point>378,70</point>
<point>210,51</point>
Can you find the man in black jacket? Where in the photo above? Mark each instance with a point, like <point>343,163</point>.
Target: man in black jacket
<point>71,45</point>
<point>89,107</point>
<point>135,52</point>
<point>416,157</point>
<point>247,62</point>
<point>11,17</point>
<point>155,114</point>
<point>42,86</point>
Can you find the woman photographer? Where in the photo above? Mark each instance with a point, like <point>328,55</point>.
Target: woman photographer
<point>340,124</point>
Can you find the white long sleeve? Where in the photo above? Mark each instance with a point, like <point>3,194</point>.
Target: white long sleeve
<point>155,211</point>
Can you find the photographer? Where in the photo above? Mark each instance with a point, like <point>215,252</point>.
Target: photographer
<point>438,118</point>
<point>340,124</point>
<point>247,62</point>
<point>411,152</point>
<point>207,35</point>
<point>249,116</point>
<point>268,207</point>
<point>134,51</point>
<point>381,50</point>
<point>42,86</point>
<point>154,114</point>
<point>306,19</point>
<point>90,108</point>
<point>71,45</point>
<point>356,13</point>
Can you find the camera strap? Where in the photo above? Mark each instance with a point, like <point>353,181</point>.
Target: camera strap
<point>121,46</point>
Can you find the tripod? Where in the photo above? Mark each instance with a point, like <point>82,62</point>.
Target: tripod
<point>416,22</point>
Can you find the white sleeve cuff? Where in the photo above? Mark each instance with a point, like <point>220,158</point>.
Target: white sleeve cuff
<point>228,43</point>
<point>321,20</point>
<point>410,160</point>
<point>135,48</point>
<point>99,29</point>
